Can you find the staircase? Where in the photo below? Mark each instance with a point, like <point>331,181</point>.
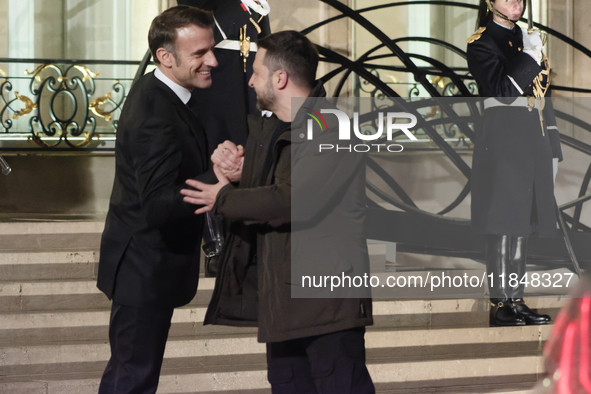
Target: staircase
<point>54,324</point>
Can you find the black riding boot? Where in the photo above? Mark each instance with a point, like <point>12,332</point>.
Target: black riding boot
<point>498,251</point>
<point>518,262</point>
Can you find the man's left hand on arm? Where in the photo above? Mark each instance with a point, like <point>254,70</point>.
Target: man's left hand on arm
<point>204,194</point>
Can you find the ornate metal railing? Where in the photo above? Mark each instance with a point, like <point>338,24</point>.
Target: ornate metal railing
<point>61,104</point>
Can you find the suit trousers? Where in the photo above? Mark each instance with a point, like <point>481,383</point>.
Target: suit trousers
<point>138,339</point>
<point>324,364</point>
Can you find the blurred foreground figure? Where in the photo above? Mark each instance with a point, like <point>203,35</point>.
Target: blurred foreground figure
<point>568,351</point>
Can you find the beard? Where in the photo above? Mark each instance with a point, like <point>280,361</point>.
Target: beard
<point>266,98</point>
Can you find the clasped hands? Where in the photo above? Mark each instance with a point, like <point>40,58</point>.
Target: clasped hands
<point>227,162</point>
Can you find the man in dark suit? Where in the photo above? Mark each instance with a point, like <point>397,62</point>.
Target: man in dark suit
<point>150,247</point>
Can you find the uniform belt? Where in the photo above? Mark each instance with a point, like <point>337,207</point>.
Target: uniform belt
<point>519,102</point>
<point>527,102</point>
<point>234,45</point>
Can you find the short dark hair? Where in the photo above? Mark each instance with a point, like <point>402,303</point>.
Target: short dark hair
<point>163,30</point>
<point>292,52</point>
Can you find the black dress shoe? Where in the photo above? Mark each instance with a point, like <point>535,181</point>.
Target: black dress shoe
<point>504,314</point>
<point>530,317</point>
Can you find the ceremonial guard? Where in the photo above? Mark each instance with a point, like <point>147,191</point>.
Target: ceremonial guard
<point>239,24</point>
<point>516,152</point>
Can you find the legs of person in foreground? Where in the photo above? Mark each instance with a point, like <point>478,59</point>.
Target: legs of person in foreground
<point>324,364</point>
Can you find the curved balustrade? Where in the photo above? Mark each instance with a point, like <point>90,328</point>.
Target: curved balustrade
<point>62,106</point>
<point>437,80</point>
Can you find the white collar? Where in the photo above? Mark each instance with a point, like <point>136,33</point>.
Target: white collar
<point>181,92</point>
<point>506,27</point>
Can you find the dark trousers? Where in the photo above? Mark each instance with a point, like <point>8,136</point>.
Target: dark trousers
<point>324,364</point>
<point>138,338</point>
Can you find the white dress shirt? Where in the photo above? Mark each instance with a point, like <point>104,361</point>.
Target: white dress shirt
<point>180,91</point>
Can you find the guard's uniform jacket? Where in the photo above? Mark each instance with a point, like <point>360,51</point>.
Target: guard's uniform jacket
<point>512,183</point>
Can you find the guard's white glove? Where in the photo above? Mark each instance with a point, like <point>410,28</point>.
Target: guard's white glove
<point>554,168</point>
<point>532,45</point>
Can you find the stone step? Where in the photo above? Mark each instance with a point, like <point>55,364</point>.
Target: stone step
<point>389,377</point>
<point>50,242</point>
<point>58,255</point>
<point>50,236</point>
<point>52,387</point>
<point>405,345</point>
<point>75,288</point>
<point>27,266</point>
<point>51,227</point>
<point>460,386</point>
<point>62,294</point>
<point>69,295</point>
<point>64,327</point>
<point>54,324</point>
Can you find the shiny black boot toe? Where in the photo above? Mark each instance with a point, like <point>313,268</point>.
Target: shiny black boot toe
<point>504,314</point>
<point>530,317</point>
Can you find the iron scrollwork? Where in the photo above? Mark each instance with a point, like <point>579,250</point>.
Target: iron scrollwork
<point>60,105</point>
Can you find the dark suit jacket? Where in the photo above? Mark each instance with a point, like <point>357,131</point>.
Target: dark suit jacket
<point>150,245</point>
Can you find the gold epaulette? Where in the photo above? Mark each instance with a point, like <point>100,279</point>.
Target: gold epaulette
<point>476,35</point>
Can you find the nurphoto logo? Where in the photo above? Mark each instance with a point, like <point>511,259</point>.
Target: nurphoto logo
<point>345,129</point>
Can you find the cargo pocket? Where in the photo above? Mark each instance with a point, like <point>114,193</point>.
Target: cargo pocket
<point>334,376</point>
<point>323,370</point>
<point>280,375</point>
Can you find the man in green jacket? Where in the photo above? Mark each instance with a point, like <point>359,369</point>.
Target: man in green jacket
<point>294,209</point>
